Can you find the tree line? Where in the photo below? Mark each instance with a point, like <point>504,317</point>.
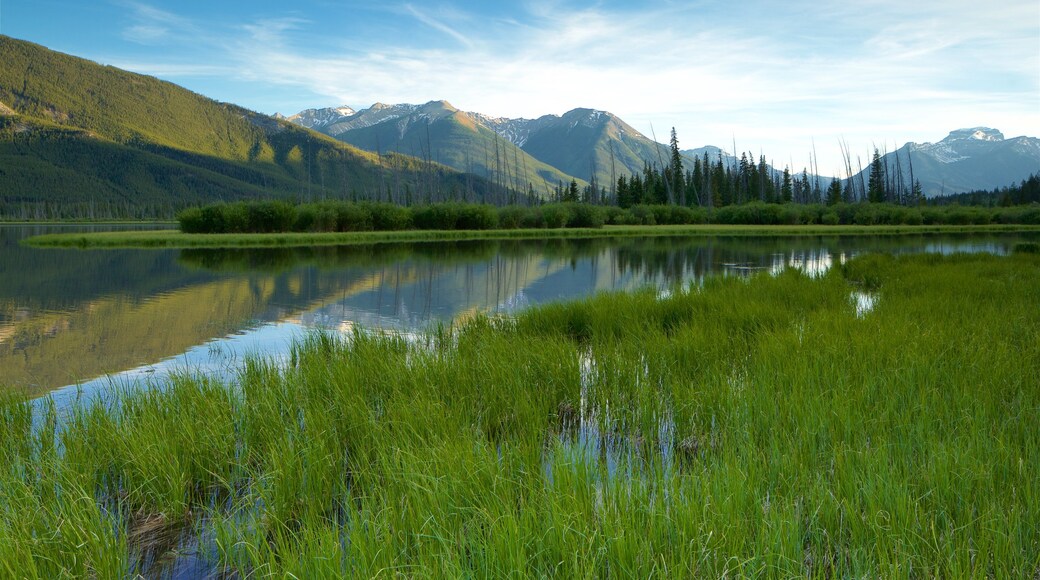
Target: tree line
<point>718,182</point>
<point>342,216</point>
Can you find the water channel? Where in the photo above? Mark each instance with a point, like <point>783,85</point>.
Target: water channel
<point>77,321</point>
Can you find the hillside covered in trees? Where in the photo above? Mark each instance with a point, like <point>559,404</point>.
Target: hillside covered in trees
<point>78,139</point>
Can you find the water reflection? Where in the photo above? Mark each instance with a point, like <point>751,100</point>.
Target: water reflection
<point>71,316</point>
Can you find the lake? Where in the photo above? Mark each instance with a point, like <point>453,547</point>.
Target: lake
<point>75,321</point>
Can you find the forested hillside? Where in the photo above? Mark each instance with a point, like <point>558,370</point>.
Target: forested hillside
<point>78,138</point>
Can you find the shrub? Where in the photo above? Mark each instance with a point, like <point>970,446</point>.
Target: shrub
<point>642,215</point>
<point>306,218</point>
<point>865,214</point>
<point>511,216</point>
<point>533,218</point>
<point>439,216</point>
<point>237,217</point>
<point>583,215</point>
<point>477,217</point>
<point>190,221</point>
<point>261,217</point>
<point>555,215</point>
<point>351,217</point>
<point>389,217</point>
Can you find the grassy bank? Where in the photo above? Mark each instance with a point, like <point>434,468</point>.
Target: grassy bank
<point>757,427</point>
<point>344,216</point>
<point>176,239</point>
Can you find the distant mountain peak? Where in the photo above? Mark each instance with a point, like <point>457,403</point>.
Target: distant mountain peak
<point>975,134</point>
<point>439,105</point>
<point>318,118</point>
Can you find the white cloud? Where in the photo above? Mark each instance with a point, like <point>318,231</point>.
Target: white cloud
<point>438,25</point>
<point>774,78</point>
<point>152,25</point>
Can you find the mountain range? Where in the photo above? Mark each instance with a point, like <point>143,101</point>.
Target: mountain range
<point>583,144</point>
<point>590,145</point>
<point>974,159</point>
<point>75,133</point>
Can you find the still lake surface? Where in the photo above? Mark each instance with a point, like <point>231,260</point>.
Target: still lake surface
<point>74,322</point>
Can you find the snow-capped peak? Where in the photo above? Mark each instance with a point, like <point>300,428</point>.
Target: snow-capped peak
<point>975,134</point>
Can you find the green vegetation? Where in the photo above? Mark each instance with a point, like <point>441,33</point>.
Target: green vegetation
<point>1027,191</point>
<point>761,427</point>
<point>177,239</point>
<point>267,217</point>
<point>83,141</point>
<point>92,141</point>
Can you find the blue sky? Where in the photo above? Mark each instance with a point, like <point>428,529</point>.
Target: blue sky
<point>775,77</point>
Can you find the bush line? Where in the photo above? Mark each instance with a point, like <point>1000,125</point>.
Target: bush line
<point>341,216</point>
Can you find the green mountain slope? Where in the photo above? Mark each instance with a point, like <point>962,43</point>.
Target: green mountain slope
<point>441,133</point>
<point>588,143</point>
<point>74,132</point>
<point>583,144</point>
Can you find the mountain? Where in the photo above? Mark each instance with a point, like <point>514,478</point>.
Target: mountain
<point>973,159</point>
<point>438,132</point>
<point>713,155</point>
<point>582,144</point>
<point>318,119</point>
<point>76,134</point>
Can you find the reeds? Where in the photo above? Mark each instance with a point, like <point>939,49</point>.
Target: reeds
<point>745,427</point>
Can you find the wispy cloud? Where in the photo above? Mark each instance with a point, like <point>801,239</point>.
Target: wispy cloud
<point>153,25</point>
<point>773,78</point>
<point>438,25</point>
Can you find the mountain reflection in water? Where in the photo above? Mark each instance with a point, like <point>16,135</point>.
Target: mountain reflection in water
<point>71,317</point>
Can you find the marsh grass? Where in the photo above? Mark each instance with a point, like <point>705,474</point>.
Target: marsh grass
<point>177,239</point>
<point>755,426</point>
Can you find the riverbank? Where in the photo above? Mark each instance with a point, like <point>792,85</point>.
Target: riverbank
<point>177,239</point>
<point>879,420</point>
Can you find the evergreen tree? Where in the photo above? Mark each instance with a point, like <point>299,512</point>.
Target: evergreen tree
<point>637,192</point>
<point>876,181</point>
<point>834,191</point>
<point>917,195</point>
<point>677,171</point>
<point>786,187</point>
<point>624,197</point>
<point>572,191</point>
<point>805,190</point>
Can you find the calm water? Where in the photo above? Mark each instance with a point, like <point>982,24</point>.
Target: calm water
<point>84,319</point>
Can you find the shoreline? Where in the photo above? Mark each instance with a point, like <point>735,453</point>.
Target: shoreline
<point>174,239</point>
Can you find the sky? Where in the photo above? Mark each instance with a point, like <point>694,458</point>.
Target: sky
<point>778,79</point>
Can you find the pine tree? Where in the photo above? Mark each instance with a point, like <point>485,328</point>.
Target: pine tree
<point>917,195</point>
<point>834,192</point>
<point>677,171</point>
<point>786,187</point>
<point>876,181</point>
<point>805,190</point>
<point>624,198</point>
<point>572,191</point>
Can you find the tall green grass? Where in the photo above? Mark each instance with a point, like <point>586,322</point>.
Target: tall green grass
<point>744,427</point>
